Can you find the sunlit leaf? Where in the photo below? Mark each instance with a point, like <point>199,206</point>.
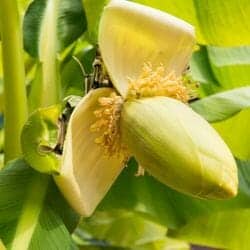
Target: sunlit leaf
<point>221,230</point>
<point>215,21</point>
<point>23,5</point>
<point>221,106</point>
<point>1,79</point>
<point>2,247</point>
<point>220,19</point>
<point>170,208</point>
<point>93,14</point>
<point>235,132</point>
<point>112,226</point>
<point>126,230</point>
<point>164,244</point>
<point>231,66</point>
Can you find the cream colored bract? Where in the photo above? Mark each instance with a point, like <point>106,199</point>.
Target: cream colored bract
<point>86,173</point>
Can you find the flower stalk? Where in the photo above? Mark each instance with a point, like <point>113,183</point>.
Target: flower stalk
<point>15,100</point>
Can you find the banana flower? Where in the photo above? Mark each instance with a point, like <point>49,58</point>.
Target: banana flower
<point>145,115</point>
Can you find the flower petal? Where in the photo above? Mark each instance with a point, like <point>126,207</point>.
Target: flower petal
<point>179,148</point>
<point>86,173</point>
<point>131,35</point>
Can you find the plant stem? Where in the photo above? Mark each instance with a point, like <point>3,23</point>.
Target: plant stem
<point>14,77</point>
<point>48,55</point>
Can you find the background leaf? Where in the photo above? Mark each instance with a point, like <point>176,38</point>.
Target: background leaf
<point>215,21</point>
<point>235,132</point>
<point>221,106</point>
<point>93,14</point>
<point>176,211</point>
<point>71,24</point>
<point>112,227</point>
<point>73,79</point>
<point>32,212</point>
<point>201,72</point>
<point>230,66</point>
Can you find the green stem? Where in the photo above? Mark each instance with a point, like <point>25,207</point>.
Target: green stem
<point>48,55</point>
<point>14,77</point>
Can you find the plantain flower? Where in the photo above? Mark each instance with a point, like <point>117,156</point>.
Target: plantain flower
<point>145,115</point>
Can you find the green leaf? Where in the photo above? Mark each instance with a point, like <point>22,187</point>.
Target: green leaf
<point>23,5</point>
<point>235,132</point>
<point>231,66</point>
<point>126,230</point>
<point>220,19</point>
<point>221,106</point>
<point>164,244</point>
<point>35,98</point>
<point>72,76</point>
<point>1,78</point>
<point>201,72</point>
<point>32,211</point>
<point>66,19</point>
<point>49,27</point>
<point>215,21</point>
<point>93,14</point>
<point>222,230</point>
<point>39,134</point>
<point>173,209</point>
<point>112,226</point>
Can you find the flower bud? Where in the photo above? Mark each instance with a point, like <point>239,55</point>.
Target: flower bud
<point>178,147</point>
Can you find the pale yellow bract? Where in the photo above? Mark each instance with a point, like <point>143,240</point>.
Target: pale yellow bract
<point>131,35</point>
<point>86,172</point>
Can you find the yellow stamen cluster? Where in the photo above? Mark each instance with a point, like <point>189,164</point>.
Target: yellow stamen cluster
<point>150,83</point>
<point>108,116</point>
<point>157,83</point>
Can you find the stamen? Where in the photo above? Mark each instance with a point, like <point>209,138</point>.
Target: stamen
<point>150,83</point>
<point>108,117</point>
<point>157,83</point>
<point>140,171</point>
